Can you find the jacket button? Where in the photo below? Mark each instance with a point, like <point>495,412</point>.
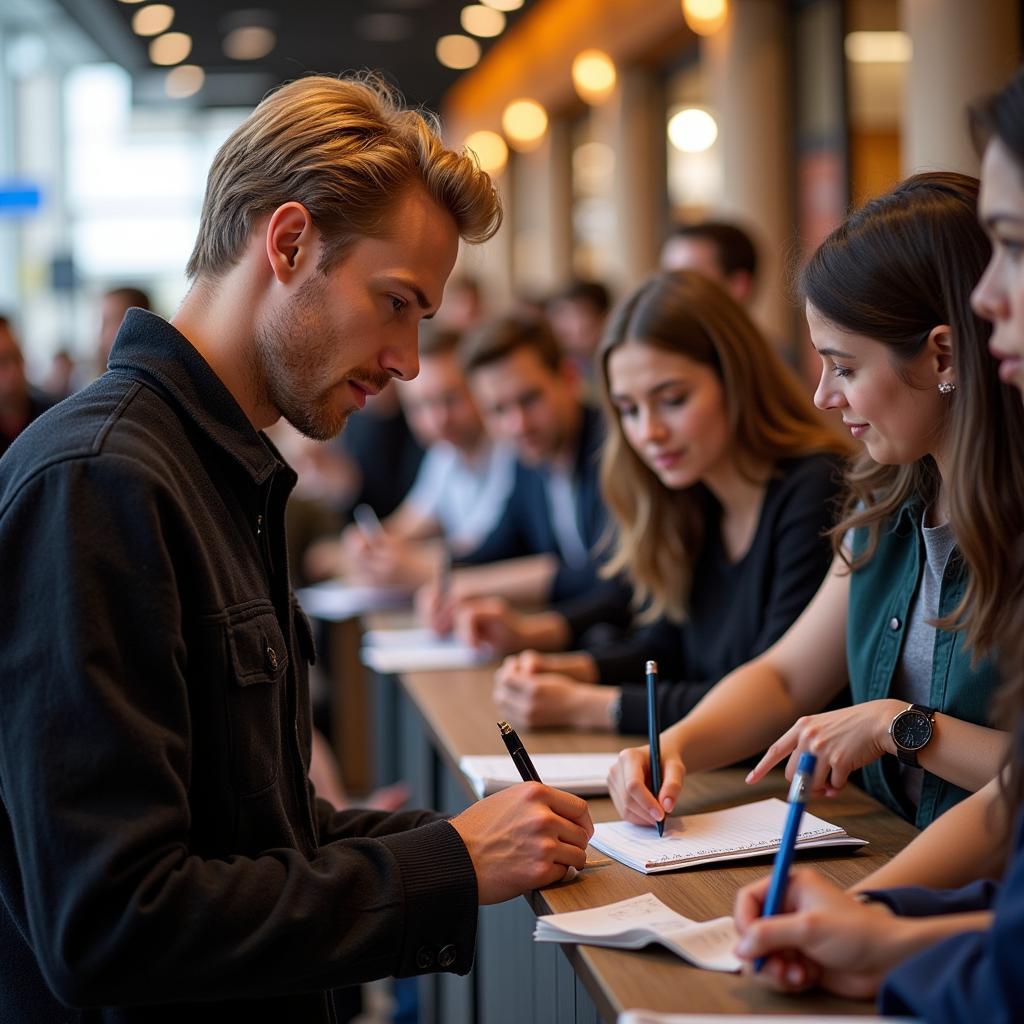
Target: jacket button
<point>425,958</point>
<point>446,957</point>
<point>894,623</point>
<point>272,657</point>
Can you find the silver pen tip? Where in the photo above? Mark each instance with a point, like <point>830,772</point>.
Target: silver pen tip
<point>652,667</point>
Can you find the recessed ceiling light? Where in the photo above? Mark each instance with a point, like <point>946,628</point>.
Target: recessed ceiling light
<point>458,52</point>
<point>183,81</point>
<point>250,42</point>
<point>503,5</point>
<point>482,21</point>
<point>170,48</point>
<point>152,20</point>
<point>385,27</point>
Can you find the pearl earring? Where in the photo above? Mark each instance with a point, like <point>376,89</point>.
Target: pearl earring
<point>946,387</point>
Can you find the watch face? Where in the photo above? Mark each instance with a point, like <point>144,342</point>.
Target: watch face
<point>912,730</point>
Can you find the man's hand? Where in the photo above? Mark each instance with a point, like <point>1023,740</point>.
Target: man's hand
<point>578,665</point>
<point>524,838</point>
<point>549,698</point>
<point>490,622</point>
<point>629,784</point>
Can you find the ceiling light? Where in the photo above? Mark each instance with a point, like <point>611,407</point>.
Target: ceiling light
<point>705,17</point>
<point>878,47</point>
<point>170,48</point>
<point>692,130</point>
<point>593,75</point>
<point>490,150</point>
<point>503,5</point>
<point>250,42</point>
<point>458,52</point>
<point>524,123</point>
<point>482,21</point>
<point>152,19</point>
<point>183,81</point>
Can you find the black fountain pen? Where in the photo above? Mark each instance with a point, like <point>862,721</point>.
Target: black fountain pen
<point>518,753</point>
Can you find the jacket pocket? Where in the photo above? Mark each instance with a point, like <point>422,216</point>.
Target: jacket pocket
<point>258,665</point>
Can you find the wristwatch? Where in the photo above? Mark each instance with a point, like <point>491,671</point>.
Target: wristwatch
<point>911,730</point>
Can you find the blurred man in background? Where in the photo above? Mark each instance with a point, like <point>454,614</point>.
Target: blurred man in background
<point>20,403</point>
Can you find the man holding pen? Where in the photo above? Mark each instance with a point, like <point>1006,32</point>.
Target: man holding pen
<point>162,854</point>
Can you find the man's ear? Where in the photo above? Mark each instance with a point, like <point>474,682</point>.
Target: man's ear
<point>293,243</point>
<point>940,345</point>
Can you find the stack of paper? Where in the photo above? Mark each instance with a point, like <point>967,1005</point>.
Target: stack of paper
<point>750,830</point>
<point>415,650</point>
<point>582,774</point>
<point>336,600</point>
<point>637,922</point>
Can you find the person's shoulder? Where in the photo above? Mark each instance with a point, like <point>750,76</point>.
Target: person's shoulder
<point>816,470</point>
<point>113,424</point>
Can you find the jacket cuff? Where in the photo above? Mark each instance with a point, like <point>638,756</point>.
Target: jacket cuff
<point>633,714</point>
<point>439,884</point>
<point>917,901</point>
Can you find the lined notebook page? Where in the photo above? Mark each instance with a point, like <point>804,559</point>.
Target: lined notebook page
<point>737,832</point>
<point>583,774</point>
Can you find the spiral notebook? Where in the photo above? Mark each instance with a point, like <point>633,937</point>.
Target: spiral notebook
<point>749,830</point>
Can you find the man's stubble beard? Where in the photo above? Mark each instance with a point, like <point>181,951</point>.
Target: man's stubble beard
<point>288,350</point>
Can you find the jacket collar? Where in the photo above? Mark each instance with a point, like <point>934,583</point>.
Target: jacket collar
<point>148,346</point>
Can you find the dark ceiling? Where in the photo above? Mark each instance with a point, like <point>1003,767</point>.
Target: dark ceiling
<point>312,35</point>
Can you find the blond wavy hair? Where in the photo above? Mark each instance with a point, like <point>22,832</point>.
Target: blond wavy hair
<point>659,532</point>
<point>344,148</point>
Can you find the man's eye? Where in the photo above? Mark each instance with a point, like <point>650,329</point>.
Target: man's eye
<point>398,304</point>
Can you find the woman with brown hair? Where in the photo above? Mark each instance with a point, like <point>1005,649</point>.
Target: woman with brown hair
<point>941,956</point>
<point>720,479</point>
<point>903,360</point>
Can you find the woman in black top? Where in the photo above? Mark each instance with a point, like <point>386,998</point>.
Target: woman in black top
<point>720,479</point>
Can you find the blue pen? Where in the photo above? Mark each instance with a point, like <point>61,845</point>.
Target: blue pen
<point>654,733</point>
<point>784,858</point>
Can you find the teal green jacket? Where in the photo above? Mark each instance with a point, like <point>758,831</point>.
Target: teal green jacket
<point>881,594</point>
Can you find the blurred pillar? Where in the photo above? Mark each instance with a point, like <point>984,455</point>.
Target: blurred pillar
<point>8,230</point>
<point>542,213</point>
<point>746,64</point>
<point>636,132</point>
<point>962,51</point>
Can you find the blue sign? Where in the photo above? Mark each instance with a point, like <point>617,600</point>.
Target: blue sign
<point>19,197</point>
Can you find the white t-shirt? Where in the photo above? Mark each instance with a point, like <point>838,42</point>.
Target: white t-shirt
<point>465,496</point>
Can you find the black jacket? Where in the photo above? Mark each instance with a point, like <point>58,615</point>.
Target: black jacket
<point>160,845</point>
<point>525,526</point>
<point>736,610</point>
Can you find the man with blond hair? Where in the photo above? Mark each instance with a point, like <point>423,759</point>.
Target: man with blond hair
<point>162,854</point>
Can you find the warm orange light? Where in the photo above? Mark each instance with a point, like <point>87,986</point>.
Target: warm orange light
<point>705,17</point>
<point>478,20</point>
<point>490,150</point>
<point>183,81</point>
<point>152,20</point>
<point>524,123</point>
<point>593,75</point>
<point>170,48</point>
<point>457,52</point>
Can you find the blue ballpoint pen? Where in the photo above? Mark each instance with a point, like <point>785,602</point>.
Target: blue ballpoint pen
<point>784,858</point>
<point>654,733</point>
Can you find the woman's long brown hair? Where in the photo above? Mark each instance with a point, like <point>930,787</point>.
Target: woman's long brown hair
<point>660,531</point>
<point>902,265</point>
<point>1002,117</point>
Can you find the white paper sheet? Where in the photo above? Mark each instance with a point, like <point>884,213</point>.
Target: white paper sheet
<point>335,600</point>
<point>748,830</point>
<point>413,650</point>
<point>582,774</point>
<point>641,920</point>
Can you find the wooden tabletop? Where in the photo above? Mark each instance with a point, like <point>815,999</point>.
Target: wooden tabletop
<point>460,714</point>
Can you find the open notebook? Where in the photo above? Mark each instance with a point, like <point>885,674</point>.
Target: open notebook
<point>641,920</point>
<point>749,830</point>
<point>415,650</point>
<point>582,774</point>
